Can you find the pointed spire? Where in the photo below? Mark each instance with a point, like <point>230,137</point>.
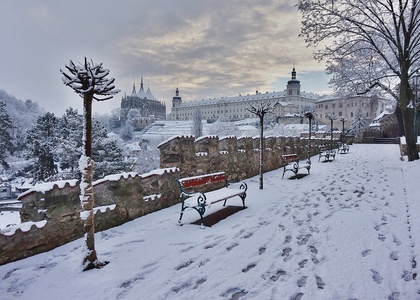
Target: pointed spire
<point>134,93</point>
<point>141,93</point>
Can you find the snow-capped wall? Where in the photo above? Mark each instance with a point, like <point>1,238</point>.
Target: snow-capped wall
<point>238,157</point>
<point>53,210</point>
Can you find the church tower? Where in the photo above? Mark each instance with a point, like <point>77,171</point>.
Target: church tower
<point>176,100</point>
<point>293,85</point>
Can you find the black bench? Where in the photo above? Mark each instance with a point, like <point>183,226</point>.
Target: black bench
<point>200,191</point>
<point>291,163</point>
<point>343,148</point>
<point>328,154</point>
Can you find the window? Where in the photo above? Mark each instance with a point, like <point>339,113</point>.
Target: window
<point>326,106</point>
<point>340,105</point>
<point>332,105</point>
<point>351,115</point>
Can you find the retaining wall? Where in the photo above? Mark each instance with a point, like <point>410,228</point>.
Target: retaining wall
<point>50,213</point>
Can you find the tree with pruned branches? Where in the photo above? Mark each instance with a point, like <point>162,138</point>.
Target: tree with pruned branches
<point>260,110</point>
<point>369,46</point>
<point>90,81</point>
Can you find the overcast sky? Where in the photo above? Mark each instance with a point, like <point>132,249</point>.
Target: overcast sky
<point>208,48</point>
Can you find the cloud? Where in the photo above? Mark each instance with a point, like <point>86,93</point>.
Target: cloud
<point>208,48</point>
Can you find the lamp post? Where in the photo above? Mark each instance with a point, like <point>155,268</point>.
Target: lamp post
<point>310,116</point>
<point>331,117</point>
<point>342,119</point>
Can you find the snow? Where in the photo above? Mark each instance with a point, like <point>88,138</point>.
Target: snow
<point>48,186</point>
<point>11,229</point>
<point>349,230</point>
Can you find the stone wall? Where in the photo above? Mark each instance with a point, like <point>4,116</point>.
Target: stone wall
<point>50,213</point>
<point>55,208</point>
<point>238,157</point>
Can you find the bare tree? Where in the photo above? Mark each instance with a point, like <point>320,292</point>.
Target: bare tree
<point>370,45</point>
<point>197,123</point>
<point>89,80</point>
<point>261,109</point>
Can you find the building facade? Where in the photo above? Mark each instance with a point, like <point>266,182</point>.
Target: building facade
<point>148,107</point>
<point>289,102</point>
<point>346,108</point>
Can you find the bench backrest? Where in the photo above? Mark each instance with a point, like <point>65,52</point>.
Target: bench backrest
<point>204,183</point>
<point>288,158</point>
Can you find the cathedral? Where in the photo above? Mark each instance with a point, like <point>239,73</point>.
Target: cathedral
<point>147,105</point>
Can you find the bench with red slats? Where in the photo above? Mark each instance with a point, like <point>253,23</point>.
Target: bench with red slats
<point>192,195</point>
<point>291,163</point>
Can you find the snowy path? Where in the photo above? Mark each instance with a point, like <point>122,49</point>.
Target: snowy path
<point>349,230</point>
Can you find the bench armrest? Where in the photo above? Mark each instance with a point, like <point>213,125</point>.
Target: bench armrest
<point>240,185</point>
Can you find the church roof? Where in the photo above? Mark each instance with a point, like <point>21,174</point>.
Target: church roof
<point>141,93</point>
<point>149,95</point>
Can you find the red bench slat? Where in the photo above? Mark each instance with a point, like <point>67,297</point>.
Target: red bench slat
<point>202,180</point>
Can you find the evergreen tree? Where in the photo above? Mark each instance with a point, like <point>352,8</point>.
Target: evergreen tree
<point>42,141</point>
<point>106,153</point>
<point>71,146</point>
<point>358,124</point>
<point>6,127</point>
<point>126,132</point>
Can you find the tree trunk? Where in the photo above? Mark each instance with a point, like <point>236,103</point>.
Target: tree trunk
<point>408,118</point>
<point>410,135</point>
<point>399,117</point>
<point>86,188</point>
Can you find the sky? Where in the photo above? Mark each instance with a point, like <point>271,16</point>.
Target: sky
<point>348,230</point>
<point>206,48</point>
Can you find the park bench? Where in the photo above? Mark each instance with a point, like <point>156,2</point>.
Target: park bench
<point>291,163</point>
<point>328,154</point>
<point>204,190</point>
<point>343,148</point>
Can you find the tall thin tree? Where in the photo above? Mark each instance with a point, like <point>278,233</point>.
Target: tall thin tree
<point>261,109</point>
<point>90,81</point>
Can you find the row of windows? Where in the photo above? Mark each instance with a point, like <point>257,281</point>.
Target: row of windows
<point>340,105</point>
<point>340,114</point>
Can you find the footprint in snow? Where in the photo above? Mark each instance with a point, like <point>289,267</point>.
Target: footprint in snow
<point>286,251</point>
<point>381,237</point>
<point>303,263</point>
<point>184,265</point>
<point>319,282</point>
<point>376,276</point>
<point>276,276</point>
<point>394,255</point>
<point>249,267</point>
<point>302,281</point>
<point>297,296</point>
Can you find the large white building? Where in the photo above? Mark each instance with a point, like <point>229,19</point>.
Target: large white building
<point>286,103</point>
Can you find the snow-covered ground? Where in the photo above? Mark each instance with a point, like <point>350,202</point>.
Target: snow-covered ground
<point>349,230</point>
